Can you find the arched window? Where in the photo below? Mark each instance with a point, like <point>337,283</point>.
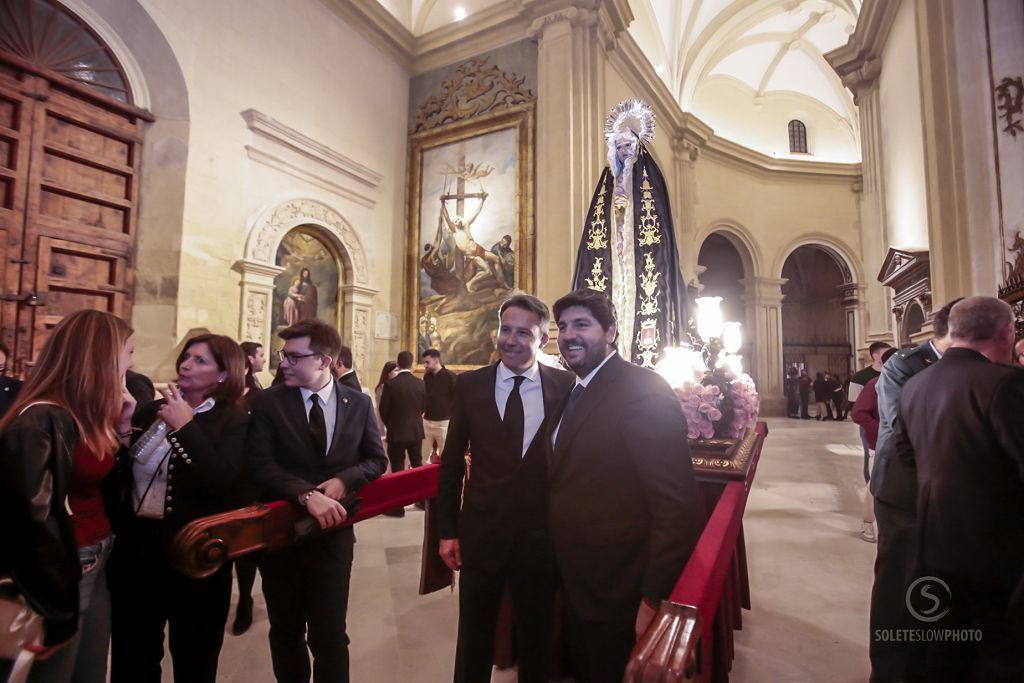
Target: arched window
<point>797,137</point>
<point>46,35</point>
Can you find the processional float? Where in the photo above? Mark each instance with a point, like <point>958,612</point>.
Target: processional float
<point>627,250</point>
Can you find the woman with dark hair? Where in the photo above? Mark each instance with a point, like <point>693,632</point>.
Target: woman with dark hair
<point>184,463</point>
<point>57,444</point>
<point>386,373</point>
<point>245,567</point>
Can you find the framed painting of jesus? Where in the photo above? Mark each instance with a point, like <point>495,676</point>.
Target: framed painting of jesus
<point>470,234</point>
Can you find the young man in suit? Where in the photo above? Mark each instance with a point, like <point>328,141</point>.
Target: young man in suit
<point>312,441</point>
<point>499,414</point>
<point>402,403</point>
<point>623,508</point>
<point>893,485</point>
<point>959,426</point>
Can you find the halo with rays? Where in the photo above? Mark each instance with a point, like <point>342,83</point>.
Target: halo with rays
<point>633,115</point>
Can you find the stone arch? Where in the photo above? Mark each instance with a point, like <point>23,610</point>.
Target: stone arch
<point>258,269</point>
<point>740,237</point>
<point>840,252</point>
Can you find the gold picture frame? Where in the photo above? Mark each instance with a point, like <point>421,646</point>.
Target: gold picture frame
<point>467,267</point>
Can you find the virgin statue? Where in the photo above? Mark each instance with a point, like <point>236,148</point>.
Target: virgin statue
<point>628,247</point>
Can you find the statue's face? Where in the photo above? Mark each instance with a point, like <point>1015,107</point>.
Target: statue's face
<point>625,147</point>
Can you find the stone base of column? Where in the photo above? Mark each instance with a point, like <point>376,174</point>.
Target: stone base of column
<point>773,406</point>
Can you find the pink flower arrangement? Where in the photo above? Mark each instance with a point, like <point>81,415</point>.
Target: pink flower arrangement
<point>702,406</point>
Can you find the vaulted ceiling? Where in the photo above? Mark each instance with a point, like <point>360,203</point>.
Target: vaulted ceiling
<point>746,67</point>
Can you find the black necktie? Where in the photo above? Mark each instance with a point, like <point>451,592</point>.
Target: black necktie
<point>514,418</point>
<point>317,425</point>
<point>569,405</point>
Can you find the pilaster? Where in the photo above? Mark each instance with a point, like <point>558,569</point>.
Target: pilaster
<point>763,298</point>
<point>358,304</point>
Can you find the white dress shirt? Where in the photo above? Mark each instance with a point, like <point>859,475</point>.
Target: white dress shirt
<point>584,382</point>
<point>328,399</point>
<point>533,399</point>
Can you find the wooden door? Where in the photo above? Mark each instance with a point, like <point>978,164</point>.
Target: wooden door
<point>69,164</point>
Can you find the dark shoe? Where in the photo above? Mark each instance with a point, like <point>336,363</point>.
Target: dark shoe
<point>400,512</point>
<point>243,617</point>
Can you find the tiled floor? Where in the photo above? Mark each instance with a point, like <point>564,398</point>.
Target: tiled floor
<point>810,577</point>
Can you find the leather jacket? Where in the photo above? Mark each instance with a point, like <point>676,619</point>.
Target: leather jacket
<point>40,554</point>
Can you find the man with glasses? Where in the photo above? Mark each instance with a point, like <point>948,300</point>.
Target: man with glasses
<point>312,441</point>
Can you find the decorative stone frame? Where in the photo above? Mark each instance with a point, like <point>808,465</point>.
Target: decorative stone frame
<point>259,270</point>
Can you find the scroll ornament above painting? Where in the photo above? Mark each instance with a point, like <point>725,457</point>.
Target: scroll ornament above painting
<point>476,88</point>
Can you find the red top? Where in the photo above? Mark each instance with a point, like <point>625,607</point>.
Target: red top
<point>865,412</point>
<point>87,510</point>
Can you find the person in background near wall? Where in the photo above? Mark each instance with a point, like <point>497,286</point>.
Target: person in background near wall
<point>387,372</point>
<point>822,396</point>
<point>792,400</point>
<point>401,407</point>
<point>837,396</point>
<point>804,386</point>
<point>245,566</point>
<point>865,414</point>
<point>185,462</point>
<point>9,386</point>
<point>344,369</point>
<point>440,384</point>
<point>57,445</point>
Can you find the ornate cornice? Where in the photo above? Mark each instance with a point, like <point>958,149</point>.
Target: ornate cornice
<point>476,88</point>
<point>859,62</point>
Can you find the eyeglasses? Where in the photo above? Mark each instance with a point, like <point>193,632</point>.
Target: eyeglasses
<point>294,358</point>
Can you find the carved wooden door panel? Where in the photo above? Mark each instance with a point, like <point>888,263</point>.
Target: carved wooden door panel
<point>73,190</point>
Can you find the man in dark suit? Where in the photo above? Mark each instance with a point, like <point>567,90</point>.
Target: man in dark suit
<point>623,509</point>
<point>893,485</point>
<point>312,441</point>
<point>345,369</point>
<point>959,425</point>
<point>499,414</point>
<point>402,403</point>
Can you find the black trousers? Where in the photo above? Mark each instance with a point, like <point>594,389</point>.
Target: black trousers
<point>894,568</point>
<point>147,596</point>
<point>599,650</point>
<point>530,576</point>
<point>803,405</point>
<point>399,449</point>
<point>306,588</point>
<point>245,571</point>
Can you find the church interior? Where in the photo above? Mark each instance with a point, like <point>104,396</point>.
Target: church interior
<point>837,171</point>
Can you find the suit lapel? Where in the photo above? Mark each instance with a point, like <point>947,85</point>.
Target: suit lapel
<point>593,396</point>
<point>341,414</point>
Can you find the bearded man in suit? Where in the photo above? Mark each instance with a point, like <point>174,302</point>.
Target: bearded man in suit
<point>623,507</point>
<point>500,536</point>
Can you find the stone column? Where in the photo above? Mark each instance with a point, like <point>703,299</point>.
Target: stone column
<point>257,299</point>
<point>853,293</point>
<point>570,123</point>
<point>763,297</point>
<point>356,328</point>
<point>686,152</point>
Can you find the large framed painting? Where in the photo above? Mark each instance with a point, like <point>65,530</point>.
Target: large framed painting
<point>308,287</point>
<point>470,233</point>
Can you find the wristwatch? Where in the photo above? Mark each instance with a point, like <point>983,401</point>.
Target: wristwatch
<point>304,497</point>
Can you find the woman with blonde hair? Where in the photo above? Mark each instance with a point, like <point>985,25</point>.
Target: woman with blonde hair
<point>185,462</point>
<point>57,444</point>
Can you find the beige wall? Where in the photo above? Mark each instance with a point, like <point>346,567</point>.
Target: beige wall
<point>294,62</point>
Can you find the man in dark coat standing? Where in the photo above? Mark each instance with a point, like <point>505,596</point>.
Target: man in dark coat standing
<point>401,409</point>
<point>893,485</point>
<point>623,507</point>
<point>960,425</point>
<point>313,442</point>
<point>345,370</point>
<point>499,414</point>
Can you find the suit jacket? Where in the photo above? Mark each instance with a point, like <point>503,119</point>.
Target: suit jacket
<point>623,509</point>
<point>960,424</point>
<point>284,462</point>
<point>204,467</point>
<point>894,481</point>
<point>507,491</point>
<point>351,381</point>
<point>401,407</point>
